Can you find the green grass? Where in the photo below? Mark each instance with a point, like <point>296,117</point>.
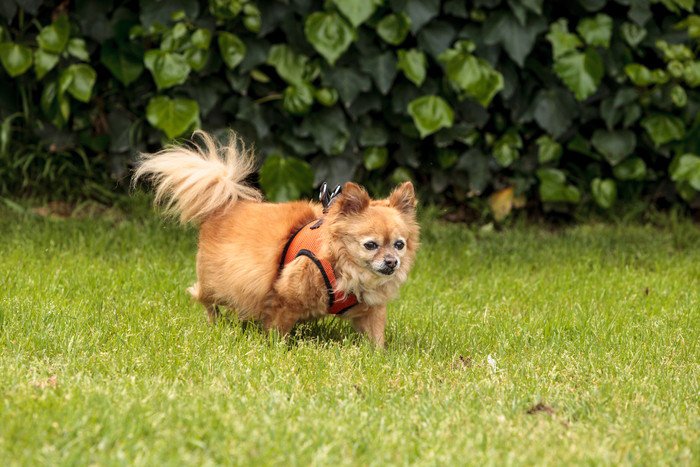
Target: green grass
<point>599,323</point>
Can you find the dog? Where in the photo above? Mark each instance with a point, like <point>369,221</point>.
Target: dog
<point>281,263</point>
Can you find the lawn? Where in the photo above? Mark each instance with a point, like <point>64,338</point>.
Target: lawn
<point>530,345</point>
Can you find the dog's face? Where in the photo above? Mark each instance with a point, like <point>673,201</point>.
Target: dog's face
<point>375,241</point>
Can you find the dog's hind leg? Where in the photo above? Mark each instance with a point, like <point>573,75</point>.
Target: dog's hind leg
<point>212,311</point>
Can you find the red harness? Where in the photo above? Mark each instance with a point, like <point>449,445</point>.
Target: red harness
<point>307,242</point>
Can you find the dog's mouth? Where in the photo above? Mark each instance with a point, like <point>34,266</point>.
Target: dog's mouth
<point>387,271</point>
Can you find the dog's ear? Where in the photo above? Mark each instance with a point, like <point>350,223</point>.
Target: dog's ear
<point>403,198</point>
<point>353,199</point>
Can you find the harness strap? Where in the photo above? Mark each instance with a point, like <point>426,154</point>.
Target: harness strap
<point>306,242</point>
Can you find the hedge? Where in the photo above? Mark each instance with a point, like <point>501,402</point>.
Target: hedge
<point>562,103</point>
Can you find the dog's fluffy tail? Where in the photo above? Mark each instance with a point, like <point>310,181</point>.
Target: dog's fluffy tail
<point>195,181</point>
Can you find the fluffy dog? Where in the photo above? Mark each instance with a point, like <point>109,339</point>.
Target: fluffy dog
<point>362,249</point>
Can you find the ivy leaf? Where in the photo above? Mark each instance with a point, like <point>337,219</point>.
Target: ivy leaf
<point>16,58</point>
<point>639,74</point>
<point>174,39</point>
<point>400,175</point>
<point>334,170</point>
<point>201,38</point>
<point>168,69</point>
<point>326,96</point>
<point>232,49</point>
<point>78,80</point>
<point>474,76</point>
<point>501,203</point>
<point>394,28</point>
<point>288,64</point>
<point>633,168</point>
<point>225,9</point>
<point>561,39</point>
<point>692,24</point>
<point>197,58</point>
<point>375,157</point>
<point>357,11</point>
<point>663,128</point>
<point>686,168</point>
<point>674,5</point>
<point>604,192</point>
<point>298,98</point>
<point>421,11</point>
<point>54,38</point>
<point>554,189</point>
<point>516,39</point>
<point>507,149</point>
<point>613,109</point>
<point>77,48</point>
<point>44,62</point>
<point>329,34</point>
<point>679,96</point>
<point>124,62</point>
<point>456,8</point>
<point>447,158</point>
<point>548,150</point>
<point>642,76</point>
<point>581,72</point>
<point>382,69</point>
<point>413,64</point>
<point>691,73</point>
<point>533,5</point>
<point>555,110</point>
<point>430,113</point>
<point>173,116</point>
<point>614,145</point>
<point>55,104</point>
<point>633,34</point>
<point>436,37</point>
<point>285,178</point>
<point>596,31</point>
<point>349,83</point>
<point>329,129</point>
<point>593,5</point>
<point>253,18</point>
<point>374,135</point>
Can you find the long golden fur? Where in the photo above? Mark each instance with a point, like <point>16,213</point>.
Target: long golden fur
<point>241,240</point>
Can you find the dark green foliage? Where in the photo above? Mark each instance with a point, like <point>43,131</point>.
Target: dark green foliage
<point>570,103</point>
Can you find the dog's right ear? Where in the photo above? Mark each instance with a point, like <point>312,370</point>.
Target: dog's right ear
<point>403,198</point>
<point>353,199</point>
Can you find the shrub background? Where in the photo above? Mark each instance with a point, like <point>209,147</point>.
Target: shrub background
<point>561,103</point>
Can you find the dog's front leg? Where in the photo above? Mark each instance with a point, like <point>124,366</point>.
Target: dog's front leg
<point>372,324</point>
<point>279,320</point>
<point>299,293</point>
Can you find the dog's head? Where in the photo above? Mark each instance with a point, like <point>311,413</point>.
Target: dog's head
<point>374,241</point>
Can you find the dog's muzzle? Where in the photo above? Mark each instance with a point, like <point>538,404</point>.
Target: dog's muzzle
<point>389,266</point>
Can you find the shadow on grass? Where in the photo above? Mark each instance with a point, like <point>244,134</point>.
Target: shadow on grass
<point>323,330</point>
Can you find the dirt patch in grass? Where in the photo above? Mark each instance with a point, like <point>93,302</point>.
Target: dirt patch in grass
<point>462,362</point>
<point>540,407</point>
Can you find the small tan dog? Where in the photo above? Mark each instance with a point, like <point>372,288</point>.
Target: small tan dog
<point>285,262</point>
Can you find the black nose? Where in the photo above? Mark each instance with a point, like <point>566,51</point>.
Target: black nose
<point>390,262</point>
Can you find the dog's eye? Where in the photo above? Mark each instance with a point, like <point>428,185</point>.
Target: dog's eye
<point>399,244</point>
<point>371,245</point>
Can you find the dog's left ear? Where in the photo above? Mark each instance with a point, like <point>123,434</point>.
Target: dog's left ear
<point>353,199</point>
<point>403,198</point>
